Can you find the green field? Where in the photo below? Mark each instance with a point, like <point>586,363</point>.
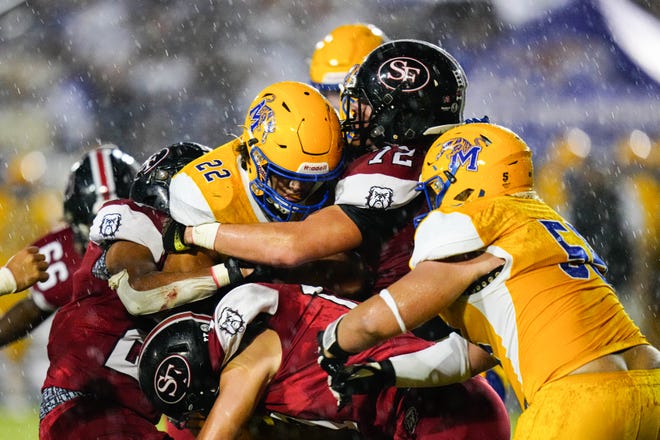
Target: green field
<point>23,426</point>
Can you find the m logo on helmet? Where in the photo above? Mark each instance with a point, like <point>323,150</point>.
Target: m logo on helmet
<point>403,73</point>
<point>462,153</point>
<point>172,379</point>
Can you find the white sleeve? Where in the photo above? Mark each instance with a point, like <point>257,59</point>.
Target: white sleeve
<point>187,203</point>
<point>442,235</point>
<point>120,222</point>
<point>443,363</point>
<point>239,308</point>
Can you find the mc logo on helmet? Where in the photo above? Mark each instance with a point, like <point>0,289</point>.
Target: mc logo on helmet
<point>403,73</point>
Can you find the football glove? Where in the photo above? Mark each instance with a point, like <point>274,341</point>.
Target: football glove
<point>367,378</point>
<point>259,272</point>
<point>173,237</point>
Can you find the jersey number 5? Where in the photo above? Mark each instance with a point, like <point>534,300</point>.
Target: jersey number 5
<point>579,259</point>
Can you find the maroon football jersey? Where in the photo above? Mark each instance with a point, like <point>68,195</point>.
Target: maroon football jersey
<point>376,183</point>
<point>299,390</point>
<point>94,342</point>
<point>59,250</point>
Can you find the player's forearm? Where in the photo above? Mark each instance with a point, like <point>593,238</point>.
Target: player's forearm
<point>20,320</point>
<point>274,244</point>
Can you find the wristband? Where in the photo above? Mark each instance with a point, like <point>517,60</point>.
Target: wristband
<point>387,297</point>
<point>204,235</point>
<point>329,340</point>
<point>7,281</point>
<point>220,275</point>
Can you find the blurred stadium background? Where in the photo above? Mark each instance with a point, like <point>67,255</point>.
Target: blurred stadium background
<point>578,79</point>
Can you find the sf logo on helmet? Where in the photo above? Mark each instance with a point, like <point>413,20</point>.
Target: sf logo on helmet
<point>403,73</point>
<point>172,379</point>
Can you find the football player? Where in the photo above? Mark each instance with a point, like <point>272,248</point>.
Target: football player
<point>91,388</point>
<point>261,184</point>
<point>375,199</point>
<point>102,174</point>
<point>394,105</point>
<point>498,263</point>
<point>258,351</point>
<point>340,50</point>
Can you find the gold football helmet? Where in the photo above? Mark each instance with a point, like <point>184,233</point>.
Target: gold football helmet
<point>293,140</point>
<point>475,161</point>
<point>340,50</point>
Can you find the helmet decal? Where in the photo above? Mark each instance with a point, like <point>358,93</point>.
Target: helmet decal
<point>262,115</point>
<point>154,160</point>
<point>101,168</point>
<point>403,73</point>
<point>463,152</point>
<point>172,379</point>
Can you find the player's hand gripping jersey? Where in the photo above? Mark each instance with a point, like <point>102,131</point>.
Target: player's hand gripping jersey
<point>567,317</point>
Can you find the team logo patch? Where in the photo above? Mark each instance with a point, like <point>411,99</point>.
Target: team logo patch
<point>403,73</point>
<point>262,117</point>
<point>231,322</point>
<point>172,379</point>
<point>110,225</point>
<point>410,420</point>
<point>380,197</point>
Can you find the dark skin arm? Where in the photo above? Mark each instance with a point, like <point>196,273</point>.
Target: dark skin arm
<point>327,232</point>
<point>143,272</point>
<point>20,320</point>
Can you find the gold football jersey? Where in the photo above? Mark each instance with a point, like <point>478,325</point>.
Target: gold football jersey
<point>214,188</point>
<point>549,310</point>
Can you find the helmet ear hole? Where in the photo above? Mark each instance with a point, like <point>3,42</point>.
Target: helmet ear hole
<point>464,195</point>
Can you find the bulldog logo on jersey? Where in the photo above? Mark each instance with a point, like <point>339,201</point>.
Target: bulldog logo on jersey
<point>380,197</point>
<point>403,73</point>
<point>262,118</point>
<point>110,225</point>
<point>172,379</point>
<point>231,322</point>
